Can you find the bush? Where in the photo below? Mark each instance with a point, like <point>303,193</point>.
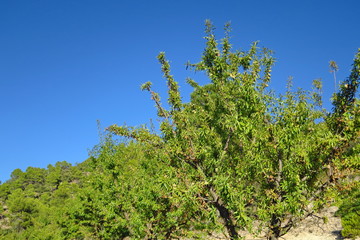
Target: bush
<point>349,212</point>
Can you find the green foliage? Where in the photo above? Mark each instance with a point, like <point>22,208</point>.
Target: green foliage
<point>132,195</point>
<point>34,202</point>
<point>345,102</point>
<point>349,210</point>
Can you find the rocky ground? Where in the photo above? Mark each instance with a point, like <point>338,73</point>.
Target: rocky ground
<point>312,228</point>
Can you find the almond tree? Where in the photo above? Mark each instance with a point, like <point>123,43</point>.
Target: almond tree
<point>242,153</point>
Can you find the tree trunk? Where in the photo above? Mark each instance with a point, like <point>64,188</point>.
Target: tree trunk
<point>275,228</point>
<point>225,215</point>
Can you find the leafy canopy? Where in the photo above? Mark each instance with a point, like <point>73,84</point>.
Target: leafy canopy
<point>245,154</point>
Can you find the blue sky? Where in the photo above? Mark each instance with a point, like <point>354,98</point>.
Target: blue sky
<point>65,64</point>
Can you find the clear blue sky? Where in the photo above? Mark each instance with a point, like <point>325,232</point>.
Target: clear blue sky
<point>65,64</point>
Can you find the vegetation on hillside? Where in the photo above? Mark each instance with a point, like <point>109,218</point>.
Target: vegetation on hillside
<point>235,157</point>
